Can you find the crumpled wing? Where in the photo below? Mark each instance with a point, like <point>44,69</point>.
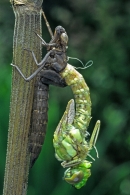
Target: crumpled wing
<point>67,117</point>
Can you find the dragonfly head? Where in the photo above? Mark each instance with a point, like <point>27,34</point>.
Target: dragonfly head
<point>78,175</point>
<point>61,33</point>
<point>59,30</point>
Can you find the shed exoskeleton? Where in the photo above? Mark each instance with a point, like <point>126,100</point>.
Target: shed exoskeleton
<point>54,61</point>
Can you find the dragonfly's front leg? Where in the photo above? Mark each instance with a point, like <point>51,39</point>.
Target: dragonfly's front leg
<point>71,163</point>
<point>42,63</point>
<point>48,45</point>
<point>45,59</point>
<point>34,57</point>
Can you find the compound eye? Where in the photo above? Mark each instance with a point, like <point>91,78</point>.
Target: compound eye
<point>75,178</point>
<point>64,38</point>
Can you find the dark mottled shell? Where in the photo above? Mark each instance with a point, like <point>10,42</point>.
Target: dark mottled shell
<point>39,120</point>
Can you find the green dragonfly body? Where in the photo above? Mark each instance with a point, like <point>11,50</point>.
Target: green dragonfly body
<point>69,140</point>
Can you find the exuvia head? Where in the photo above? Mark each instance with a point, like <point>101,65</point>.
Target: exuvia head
<point>61,33</point>
<point>78,175</point>
<point>59,30</point>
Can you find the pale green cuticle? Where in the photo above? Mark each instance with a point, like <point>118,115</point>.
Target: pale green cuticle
<point>69,138</point>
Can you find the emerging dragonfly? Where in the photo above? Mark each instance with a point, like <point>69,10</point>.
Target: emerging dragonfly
<point>69,140</point>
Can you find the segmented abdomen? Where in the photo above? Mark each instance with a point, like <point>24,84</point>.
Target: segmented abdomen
<point>39,119</point>
<point>82,97</point>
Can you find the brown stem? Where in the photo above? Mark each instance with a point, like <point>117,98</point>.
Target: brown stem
<point>27,20</point>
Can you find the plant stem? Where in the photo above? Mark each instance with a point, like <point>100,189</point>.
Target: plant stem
<point>27,20</point>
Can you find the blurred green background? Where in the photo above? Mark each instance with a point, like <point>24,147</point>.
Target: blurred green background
<point>98,30</point>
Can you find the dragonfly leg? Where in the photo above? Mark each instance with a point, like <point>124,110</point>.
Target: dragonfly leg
<point>71,163</point>
<point>34,57</point>
<point>44,42</point>
<point>43,62</point>
<point>94,136</point>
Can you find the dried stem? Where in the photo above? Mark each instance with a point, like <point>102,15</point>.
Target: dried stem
<point>27,20</point>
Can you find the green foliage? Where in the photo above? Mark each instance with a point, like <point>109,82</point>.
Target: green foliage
<point>98,31</point>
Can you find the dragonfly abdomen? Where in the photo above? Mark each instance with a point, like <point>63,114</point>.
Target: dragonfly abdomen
<point>82,97</point>
<point>39,120</point>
